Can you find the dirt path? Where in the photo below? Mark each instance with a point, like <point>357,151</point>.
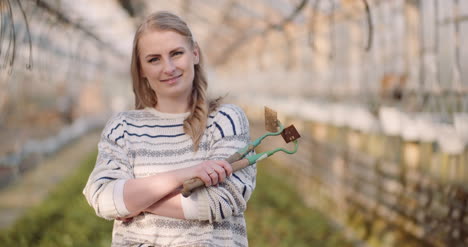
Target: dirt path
<point>34,186</point>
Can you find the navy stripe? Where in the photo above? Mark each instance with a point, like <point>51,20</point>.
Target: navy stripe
<point>108,162</point>
<point>221,211</point>
<point>112,130</point>
<point>141,126</point>
<point>140,245</point>
<point>118,168</point>
<point>154,126</point>
<point>118,138</point>
<point>157,136</point>
<point>106,178</point>
<point>238,178</point>
<point>243,192</point>
<point>209,126</point>
<point>220,130</point>
<point>211,116</point>
<point>230,119</point>
<point>225,200</point>
<point>97,189</point>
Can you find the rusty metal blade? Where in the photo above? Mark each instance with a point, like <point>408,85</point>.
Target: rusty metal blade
<point>290,134</point>
<point>271,120</point>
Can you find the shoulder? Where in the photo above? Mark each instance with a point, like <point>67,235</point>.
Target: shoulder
<point>133,115</point>
<point>118,121</point>
<point>229,119</point>
<point>228,113</point>
<point>228,110</point>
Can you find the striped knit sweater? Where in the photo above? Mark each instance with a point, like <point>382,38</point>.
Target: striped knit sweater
<point>144,142</point>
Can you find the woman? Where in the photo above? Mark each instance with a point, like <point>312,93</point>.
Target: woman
<point>174,134</point>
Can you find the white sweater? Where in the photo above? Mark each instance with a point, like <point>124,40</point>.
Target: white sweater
<point>141,143</point>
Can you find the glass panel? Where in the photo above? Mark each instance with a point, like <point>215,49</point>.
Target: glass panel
<point>463,41</point>
<point>445,42</point>
<point>428,20</point>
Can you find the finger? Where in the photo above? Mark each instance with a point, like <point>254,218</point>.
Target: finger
<point>227,167</point>
<point>221,172</point>
<point>209,169</point>
<point>214,177</point>
<point>206,179</point>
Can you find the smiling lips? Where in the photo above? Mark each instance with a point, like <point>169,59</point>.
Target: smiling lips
<point>171,80</point>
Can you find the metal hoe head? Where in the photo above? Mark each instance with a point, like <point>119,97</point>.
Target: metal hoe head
<point>272,123</point>
<point>271,120</point>
<point>274,128</point>
<point>290,134</point>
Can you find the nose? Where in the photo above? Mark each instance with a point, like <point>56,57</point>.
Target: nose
<point>169,67</point>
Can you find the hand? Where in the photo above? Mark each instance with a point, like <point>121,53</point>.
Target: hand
<point>212,172</point>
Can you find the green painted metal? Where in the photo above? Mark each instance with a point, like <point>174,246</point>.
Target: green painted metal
<point>253,144</point>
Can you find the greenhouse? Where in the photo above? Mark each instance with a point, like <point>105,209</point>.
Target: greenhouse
<point>377,90</point>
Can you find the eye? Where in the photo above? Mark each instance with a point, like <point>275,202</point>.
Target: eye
<point>154,59</point>
<point>177,53</point>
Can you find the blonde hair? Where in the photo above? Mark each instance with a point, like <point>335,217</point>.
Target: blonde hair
<point>199,105</point>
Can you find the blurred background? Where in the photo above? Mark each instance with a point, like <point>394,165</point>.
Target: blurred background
<point>378,90</point>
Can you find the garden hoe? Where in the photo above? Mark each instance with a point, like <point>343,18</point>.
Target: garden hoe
<point>239,160</point>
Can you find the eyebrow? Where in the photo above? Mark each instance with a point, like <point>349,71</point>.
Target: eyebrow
<point>175,49</point>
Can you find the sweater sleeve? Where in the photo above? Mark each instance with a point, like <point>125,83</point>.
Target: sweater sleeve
<point>104,189</point>
<point>215,203</point>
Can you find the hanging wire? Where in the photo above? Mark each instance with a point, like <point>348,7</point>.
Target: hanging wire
<point>312,32</point>
<point>312,22</point>
<point>247,36</point>
<point>9,28</point>
<point>3,24</point>
<point>297,10</point>
<point>370,27</point>
<point>11,33</point>
<point>28,33</point>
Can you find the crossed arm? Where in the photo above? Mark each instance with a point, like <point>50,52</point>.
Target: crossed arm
<point>160,194</point>
<point>114,192</point>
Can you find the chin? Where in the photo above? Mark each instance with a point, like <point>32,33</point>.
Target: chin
<point>177,92</point>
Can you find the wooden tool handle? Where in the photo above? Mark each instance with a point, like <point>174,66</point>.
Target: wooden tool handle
<point>193,183</point>
<point>190,185</point>
<point>233,158</point>
<point>240,164</point>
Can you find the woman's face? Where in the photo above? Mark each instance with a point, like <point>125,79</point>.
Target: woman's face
<point>167,61</point>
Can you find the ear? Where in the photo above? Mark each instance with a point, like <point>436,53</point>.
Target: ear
<point>196,53</point>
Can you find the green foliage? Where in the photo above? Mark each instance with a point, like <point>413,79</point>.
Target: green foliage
<point>275,216</point>
<point>63,219</point>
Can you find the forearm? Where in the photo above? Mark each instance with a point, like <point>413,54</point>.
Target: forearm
<point>141,193</point>
<point>157,193</point>
<point>169,206</point>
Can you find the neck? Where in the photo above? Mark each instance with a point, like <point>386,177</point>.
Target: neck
<point>169,105</point>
